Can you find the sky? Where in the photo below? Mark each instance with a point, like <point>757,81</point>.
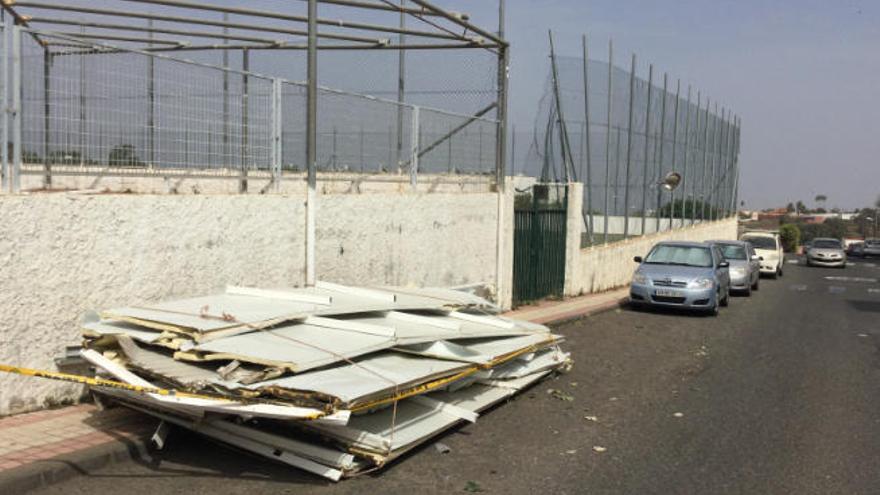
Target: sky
<point>804,76</point>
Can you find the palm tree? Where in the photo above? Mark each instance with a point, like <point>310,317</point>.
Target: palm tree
<point>820,200</point>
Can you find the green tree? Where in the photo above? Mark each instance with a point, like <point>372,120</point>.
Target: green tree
<point>790,235</point>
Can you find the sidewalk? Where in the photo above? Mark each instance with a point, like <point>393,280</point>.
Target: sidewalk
<point>46,447</point>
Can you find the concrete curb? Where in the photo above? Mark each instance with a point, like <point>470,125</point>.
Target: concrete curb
<point>48,472</point>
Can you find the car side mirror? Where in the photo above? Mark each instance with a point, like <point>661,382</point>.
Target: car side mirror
<point>724,264</point>
<point>757,258</point>
<point>637,259</point>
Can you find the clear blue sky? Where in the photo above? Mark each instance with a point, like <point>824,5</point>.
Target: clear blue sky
<point>804,75</point>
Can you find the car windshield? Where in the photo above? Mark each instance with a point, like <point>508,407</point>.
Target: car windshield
<point>761,242</point>
<point>826,244</point>
<point>733,252</point>
<point>680,255</point>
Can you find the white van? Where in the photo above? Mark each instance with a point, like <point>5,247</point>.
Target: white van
<point>769,247</point>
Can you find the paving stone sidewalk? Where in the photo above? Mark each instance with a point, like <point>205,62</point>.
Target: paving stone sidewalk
<point>44,447</point>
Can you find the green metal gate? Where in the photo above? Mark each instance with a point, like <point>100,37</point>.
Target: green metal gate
<point>539,243</point>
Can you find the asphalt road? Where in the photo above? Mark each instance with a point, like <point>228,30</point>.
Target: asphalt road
<point>779,394</point>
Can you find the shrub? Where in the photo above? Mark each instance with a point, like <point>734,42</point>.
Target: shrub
<point>790,235</point>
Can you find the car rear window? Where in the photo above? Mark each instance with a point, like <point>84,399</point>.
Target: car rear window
<point>680,255</point>
<point>733,252</point>
<point>761,242</point>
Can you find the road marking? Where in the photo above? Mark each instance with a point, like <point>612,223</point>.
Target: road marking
<point>799,288</point>
<point>836,290</point>
<point>853,279</point>
<point>874,291</point>
<point>793,262</point>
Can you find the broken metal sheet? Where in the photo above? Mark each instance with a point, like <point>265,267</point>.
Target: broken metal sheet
<point>93,326</point>
<point>285,450</point>
<point>483,352</point>
<point>517,368</point>
<point>412,328</point>
<point>367,379</point>
<point>389,433</point>
<point>297,347</point>
<point>211,313</point>
<point>230,407</point>
<point>159,364</point>
<point>450,296</point>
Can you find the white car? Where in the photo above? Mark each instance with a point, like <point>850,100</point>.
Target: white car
<point>871,248</point>
<point>769,248</point>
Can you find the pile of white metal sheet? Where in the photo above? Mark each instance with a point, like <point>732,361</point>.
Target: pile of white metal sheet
<point>331,379</point>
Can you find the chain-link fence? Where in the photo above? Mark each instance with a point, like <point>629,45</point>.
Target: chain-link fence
<point>652,154</point>
<point>95,109</point>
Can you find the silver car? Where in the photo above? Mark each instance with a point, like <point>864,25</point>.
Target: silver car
<point>871,248</point>
<point>745,265</point>
<point>825,251</point>
<point>690,275</point>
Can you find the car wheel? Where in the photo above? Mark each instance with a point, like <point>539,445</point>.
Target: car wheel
<point>748,291</point>
<point>779,270</point>
<point>726,301</point>
<point>715,309</point>
<point>756,285</point>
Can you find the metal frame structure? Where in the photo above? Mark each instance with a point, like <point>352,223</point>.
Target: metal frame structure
<point>689,138</point>
<point>434,28</point>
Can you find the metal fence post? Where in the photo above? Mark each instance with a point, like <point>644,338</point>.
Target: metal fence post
<point>705,163</point>
<point>15,176</point>
<point>276,134</point>
<point>47,108</point>
<point>674,151</point>
<point>311,142</point>
<point>589,176</point>
<point>647,146</point>
<point>662,150</point>
<point>501,112</point>
<point>608,138</point>
<point>696,160</point>
<point>687,151</point>
<point>245,107</point>
<point>414,149</point>
<point>4,173</point>
<point>629,132</point>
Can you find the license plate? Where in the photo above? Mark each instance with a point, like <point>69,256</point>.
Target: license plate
<point>668,293</point>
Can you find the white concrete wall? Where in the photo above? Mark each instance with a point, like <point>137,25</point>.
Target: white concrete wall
<point>616,224</point>
<point>407,239</point>
<point>64,254</point>
<point>610,266</point>
<point>61,255</point>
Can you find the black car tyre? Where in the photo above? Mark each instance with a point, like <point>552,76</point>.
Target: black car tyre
<point>756,285</point>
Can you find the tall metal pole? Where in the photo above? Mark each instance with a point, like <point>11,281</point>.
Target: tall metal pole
<point>659,175</point>
<point>674,150</point>
<point>588,151</point>
<point>501,113</point>
<point>7,35</point>
<point>696,150</point>
<point>716,147</point>
<point>15,174</point>
<point>687,152</point>
<point>705,163</point>
<point>151,100</point>
<point>401,86</point>
<point>225,96</point>
<point>311,140</point>
<point>564,144</point>
<point>47,64</point>
<point>647,145</point>
<point>608,137</point>
<point>245,107</point>
<point>629,139</point>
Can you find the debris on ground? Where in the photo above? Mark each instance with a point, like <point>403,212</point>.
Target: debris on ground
<point>473,487</point>
<point>331,379</point>
<point>591,418</point>
<point>442,448</point>
<point>559,394</point>
<point>599,449</point>
<point>678,415</point>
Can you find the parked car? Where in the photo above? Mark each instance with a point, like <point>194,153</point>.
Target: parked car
<point>872,248</point>
<point>855,249</point>
<point>825,251</point>
<point>769,248</point>
<point>691,275</point>
<point>745,265</point>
